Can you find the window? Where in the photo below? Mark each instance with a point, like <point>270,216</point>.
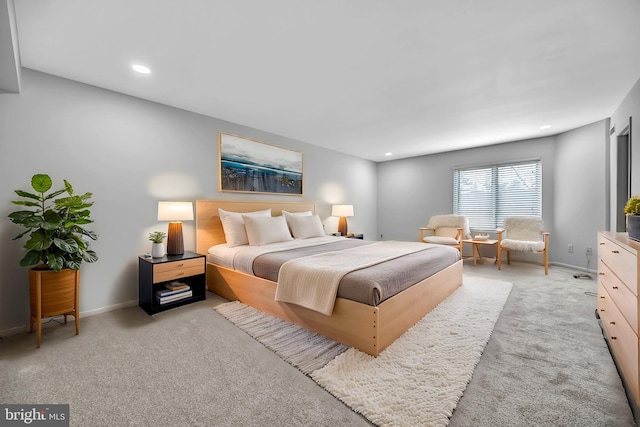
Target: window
<point>488,194</point>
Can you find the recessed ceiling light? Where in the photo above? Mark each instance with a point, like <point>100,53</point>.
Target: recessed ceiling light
<point>545,127</point>
<point>388,154</point>
<point>141,69</point>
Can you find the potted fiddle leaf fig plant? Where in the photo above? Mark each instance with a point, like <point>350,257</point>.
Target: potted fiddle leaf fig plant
<point>632,210</point>
<point>54,223</point>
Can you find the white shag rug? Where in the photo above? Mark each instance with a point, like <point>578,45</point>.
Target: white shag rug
<point>417,380</point>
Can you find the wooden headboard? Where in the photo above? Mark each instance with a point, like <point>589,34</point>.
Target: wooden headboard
<point>209,230</point>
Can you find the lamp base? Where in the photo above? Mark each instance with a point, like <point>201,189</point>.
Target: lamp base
<point>342,225</point>
<point>175,242</point>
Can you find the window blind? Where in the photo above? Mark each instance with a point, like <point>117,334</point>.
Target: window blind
<point>488,194</point>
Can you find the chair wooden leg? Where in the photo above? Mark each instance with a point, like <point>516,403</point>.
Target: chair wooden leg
<point>509,257</point>
<point>39,330</point>
<point>546,262</point>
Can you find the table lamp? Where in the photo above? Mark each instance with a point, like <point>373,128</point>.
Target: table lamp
<point>175,212</point>
<point>343,211</point>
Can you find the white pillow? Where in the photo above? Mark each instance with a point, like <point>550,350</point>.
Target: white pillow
<point>265,230</point>
<point>304,227</point>
<point>288,215</point>
<point>233,226</point>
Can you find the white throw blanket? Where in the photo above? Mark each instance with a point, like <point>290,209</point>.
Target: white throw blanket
<point>312,281</point>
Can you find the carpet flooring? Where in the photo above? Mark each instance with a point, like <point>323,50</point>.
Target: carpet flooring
<point>417,380</point>
<point>546,364</point>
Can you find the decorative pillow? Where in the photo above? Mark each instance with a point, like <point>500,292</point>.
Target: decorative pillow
<point>233,225</point>
<point>289,215</point>
<point>264,230</point>
<point>441,240</point>
<point>304,227</point>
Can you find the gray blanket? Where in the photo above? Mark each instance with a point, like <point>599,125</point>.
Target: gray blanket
<point>371,285</point>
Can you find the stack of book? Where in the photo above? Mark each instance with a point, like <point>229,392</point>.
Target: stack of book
<point>174,291</point>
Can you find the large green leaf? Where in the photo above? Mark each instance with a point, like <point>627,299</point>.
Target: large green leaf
<point>68,187</point>
<point>90,256</point>
<point>55,262</point>
<point>74,264</point>
<point>79,221</point>
<point>41,183</point>
<point>51,220</point>
<point>38,241</point>
<point>54,194</point>
<point>19,217</point>
<point>25,203</point>
<point>31,258</point>
<point>68,245</point>
<point>27,195</point>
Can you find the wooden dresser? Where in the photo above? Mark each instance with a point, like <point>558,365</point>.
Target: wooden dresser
<point>618,304</point>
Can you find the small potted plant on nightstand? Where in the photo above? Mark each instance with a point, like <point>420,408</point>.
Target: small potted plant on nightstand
<point>632,210</point>
<point>54,223</point>
<point>157,248</point>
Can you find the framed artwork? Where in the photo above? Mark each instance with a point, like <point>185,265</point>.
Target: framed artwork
<point>251,166</point>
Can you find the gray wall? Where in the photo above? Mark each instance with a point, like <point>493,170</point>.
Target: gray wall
<point>131,153</point>
<point>629,107</point>
<point>574,198</point>
<point>580,204</point>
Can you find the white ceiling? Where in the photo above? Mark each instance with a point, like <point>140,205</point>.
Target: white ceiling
<point>363,77</point>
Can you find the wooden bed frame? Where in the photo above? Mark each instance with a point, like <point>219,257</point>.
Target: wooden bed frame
<point>369,329</point>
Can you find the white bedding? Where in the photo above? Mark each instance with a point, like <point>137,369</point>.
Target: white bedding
<point>241,257</point>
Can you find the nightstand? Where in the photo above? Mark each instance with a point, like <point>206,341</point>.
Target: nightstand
<point>355,236</point>
<point>154,273</point>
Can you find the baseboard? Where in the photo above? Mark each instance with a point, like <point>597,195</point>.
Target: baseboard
<point>573,267</point>
<point>13,331</point>
<point>24,328</point>
<point>108,308</point>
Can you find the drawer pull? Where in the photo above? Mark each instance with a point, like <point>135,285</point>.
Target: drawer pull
<point>615,287</point>
<point>601,243</point>
<point>614,338</point>
<point>615,252</point>
<point>601,296</point>
<point>601,274</point>
<point>612,323</point>
<point>602,309</point>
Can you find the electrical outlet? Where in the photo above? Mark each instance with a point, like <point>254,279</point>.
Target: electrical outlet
<point>570,248</point>
<point>588,252</point>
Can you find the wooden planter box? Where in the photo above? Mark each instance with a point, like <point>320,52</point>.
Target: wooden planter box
<point>52,294</point>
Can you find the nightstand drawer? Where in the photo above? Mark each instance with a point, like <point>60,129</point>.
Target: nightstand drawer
<point>175,270</point>
<point>620,260</point>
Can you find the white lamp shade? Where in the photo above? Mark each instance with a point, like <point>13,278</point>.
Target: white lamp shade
<point>175,211</point>
<point>342,210</point>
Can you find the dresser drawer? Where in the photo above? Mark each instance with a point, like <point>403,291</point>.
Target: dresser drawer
<point>622,339</point>
<point>622,297</point>
<point>620,260</point>
<point>175,270</point>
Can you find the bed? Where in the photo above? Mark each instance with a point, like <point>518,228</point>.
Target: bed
<point>363,326</point>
